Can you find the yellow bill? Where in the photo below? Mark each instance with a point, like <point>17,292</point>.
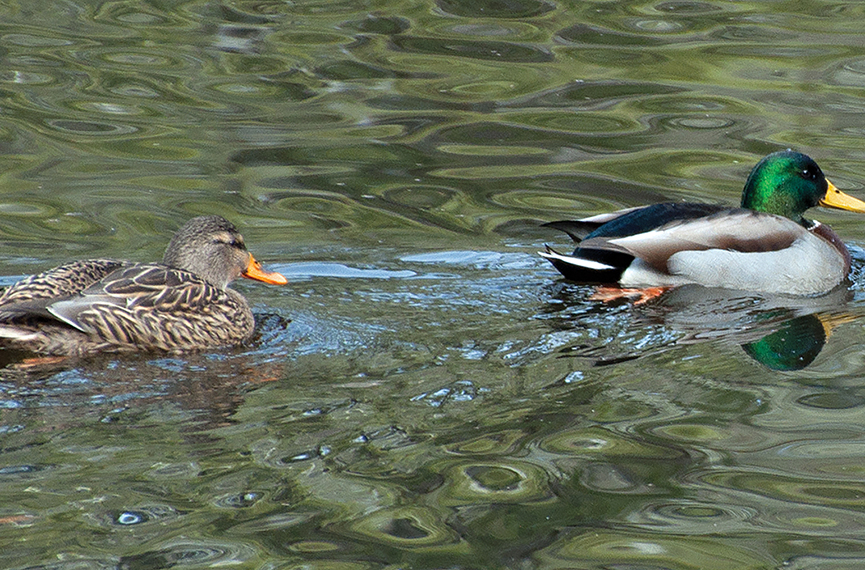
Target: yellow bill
<point>834,198</point>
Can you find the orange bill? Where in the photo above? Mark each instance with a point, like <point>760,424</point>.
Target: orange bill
<point>254,271</point>
<point>834,198</point>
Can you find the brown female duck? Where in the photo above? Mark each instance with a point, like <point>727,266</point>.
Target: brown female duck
<point>103,305</point>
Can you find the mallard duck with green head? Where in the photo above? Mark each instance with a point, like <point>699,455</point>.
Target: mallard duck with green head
<point>765,246</point>
<point>105,305</point>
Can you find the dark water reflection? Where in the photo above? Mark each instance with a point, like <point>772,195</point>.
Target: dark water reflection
<point>425,392</point>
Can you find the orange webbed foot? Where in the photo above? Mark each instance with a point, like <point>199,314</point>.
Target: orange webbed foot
<point>637,296</point>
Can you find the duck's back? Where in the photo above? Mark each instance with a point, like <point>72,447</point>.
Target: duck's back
<point>61,281</point>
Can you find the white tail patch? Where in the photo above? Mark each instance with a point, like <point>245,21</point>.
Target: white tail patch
<point>575,261</point>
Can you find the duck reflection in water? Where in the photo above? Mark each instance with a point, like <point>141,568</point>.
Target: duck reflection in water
<point>780,332</point>
<point>794,345</point>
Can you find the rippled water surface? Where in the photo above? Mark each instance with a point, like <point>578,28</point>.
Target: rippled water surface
<point>426,392</point>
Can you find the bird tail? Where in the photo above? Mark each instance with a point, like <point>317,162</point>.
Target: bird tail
<point>582,269</point>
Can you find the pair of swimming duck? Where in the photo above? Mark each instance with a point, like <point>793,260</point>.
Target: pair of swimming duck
<point>184,303</point>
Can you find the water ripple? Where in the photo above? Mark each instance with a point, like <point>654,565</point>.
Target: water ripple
<point>634,549</point>
<point>480,50</point>
<point>516,9</point>
<point>407,528</point>
<point>473,483</point>
<point>693,517</point>
<point>426,390</point>
<point>190,552</point>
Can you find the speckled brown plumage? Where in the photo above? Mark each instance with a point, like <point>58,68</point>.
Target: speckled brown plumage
<point>102,305</point>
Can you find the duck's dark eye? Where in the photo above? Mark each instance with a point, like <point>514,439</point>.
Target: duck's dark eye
<point>809,174</point>
<point>228,240</point>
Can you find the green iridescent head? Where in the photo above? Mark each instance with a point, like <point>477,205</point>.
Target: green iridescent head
<point>788,183</point>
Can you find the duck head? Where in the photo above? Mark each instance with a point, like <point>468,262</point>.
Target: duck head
<point>212,248</point>
<point>788,183</point>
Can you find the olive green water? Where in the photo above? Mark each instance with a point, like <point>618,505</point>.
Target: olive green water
<point>426,393</point>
